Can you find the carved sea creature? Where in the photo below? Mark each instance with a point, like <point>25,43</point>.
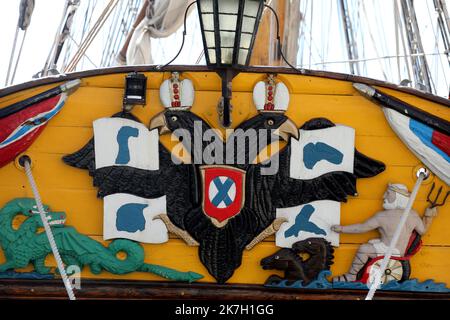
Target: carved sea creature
<point>24,246</point>
<point>304,261</point>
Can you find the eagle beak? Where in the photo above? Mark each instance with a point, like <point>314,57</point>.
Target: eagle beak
<point>159,122</point>
<point>286,130</point>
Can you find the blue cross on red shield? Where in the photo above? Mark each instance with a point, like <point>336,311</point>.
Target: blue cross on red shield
<point>223,192</point>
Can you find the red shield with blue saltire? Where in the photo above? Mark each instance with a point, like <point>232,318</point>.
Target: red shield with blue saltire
<point>223,192</point>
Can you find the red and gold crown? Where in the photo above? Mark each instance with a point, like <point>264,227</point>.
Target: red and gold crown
<point>271,96</point>
<point>176,93</point>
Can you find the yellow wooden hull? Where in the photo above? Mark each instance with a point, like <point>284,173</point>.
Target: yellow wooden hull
<point>70,190</point>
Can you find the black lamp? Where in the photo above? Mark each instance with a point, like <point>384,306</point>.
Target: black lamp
<point>135,90</point>
<point>229,30</point>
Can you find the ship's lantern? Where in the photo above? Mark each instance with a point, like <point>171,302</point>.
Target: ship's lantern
<point>229,30</point>
<point>135,89</point>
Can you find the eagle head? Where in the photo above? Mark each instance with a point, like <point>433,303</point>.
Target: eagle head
<point>171,120</point>
<point>275,123</point>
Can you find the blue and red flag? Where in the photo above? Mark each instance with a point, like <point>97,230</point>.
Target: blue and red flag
<point>22,122</point>
<point>431,146</point>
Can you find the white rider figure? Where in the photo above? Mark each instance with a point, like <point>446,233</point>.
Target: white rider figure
<point>395,200</point>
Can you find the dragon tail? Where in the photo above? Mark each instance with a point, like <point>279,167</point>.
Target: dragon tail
<point>134,257</point>
<point>135,262</point>
<point>171,274</point>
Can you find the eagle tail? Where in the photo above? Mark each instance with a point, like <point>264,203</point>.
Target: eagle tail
<point>221,248</point>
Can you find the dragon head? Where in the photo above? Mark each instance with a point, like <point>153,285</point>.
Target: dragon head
<point>28,207</point>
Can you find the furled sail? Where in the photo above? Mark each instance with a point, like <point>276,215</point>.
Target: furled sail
<point>163,18</point>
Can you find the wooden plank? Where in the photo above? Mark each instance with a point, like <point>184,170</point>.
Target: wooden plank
<point>88,104</point>
<point>85,212</point>
<point>64,140</point>
<point>243,82</point>
<point>51,172</point>
<point>426,105</point>
<point>259,70</point>
<point>25,94</point>
<point>204,81</point>
<point>151,290</point>
<point>176,254</point>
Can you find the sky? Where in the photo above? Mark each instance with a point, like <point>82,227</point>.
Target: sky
<point>40,36</point>
<point>321,41</point>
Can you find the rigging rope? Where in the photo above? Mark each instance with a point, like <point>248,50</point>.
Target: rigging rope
<point>26,8</point>
<point>380,58</point>
<point>91,35</point>
<point>88,13</point>
<point>85,55</point>
<point>373,41</point>
<point>408,62</point>
<point>55,41</point>
<point>387,257</point>
<point>113,30</point>
<point>12,56</point>
<point>48,230</point>
<point>444,42</point>
<point>18,57</point>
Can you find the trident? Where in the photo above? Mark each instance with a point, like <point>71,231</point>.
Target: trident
<point>435,203</point>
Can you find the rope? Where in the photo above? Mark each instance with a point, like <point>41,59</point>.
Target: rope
<point>55,41</point>
<point>18,57</point>
<point>184,36</point>
<point>394,240</point>
<point>383,57</point>
<point>12,56</point>
<point>91,35</point>
<point>85,55</point>
<point>48,231</point>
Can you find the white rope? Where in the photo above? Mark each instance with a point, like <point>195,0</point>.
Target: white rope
<point>91,35</point>
<point>56,39</point>
<point>394,240</point>
<point>380,58</point>
<point>18,57</point>
<point>13,50</point>
<point>78,45</point>
<point>48,231</point>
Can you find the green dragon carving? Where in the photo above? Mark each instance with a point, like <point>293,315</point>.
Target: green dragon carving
<point>26,245</point>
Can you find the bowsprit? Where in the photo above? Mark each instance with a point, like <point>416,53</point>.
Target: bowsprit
<point>223,193</point>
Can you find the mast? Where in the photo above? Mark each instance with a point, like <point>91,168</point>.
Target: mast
<point>291,30</point>
<point>352,49</point>
<point>420,66</point>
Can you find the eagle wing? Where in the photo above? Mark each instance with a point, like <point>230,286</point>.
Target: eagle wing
<point>176,181</point>
<point>265,193</point>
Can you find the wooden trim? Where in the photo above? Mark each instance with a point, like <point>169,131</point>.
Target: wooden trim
<point>196,68</point>
<point>119,289</point>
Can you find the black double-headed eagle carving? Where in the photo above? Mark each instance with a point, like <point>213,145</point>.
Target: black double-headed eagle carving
<point>222,239</point>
